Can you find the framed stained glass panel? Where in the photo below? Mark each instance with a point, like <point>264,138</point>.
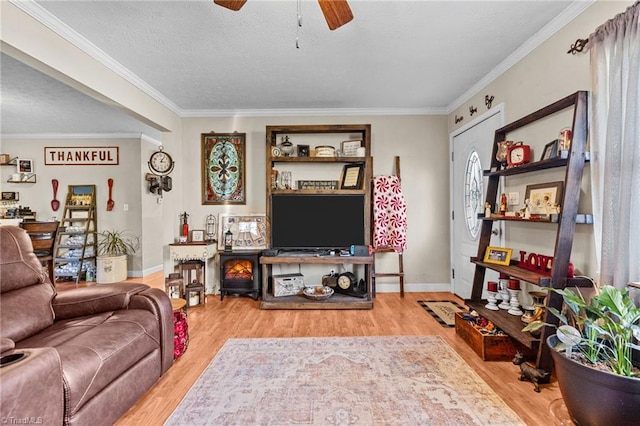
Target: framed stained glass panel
<point>223,168</point>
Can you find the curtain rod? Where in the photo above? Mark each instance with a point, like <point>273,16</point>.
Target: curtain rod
<point>581,43</point>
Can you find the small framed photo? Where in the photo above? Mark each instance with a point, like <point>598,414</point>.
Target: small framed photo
<point>25,165</point>
<point>197,235</point>
<point>498,255</point>
<point>303,150</point>
<point>350,148</point>
<point>544,198</point>
<point>352,176</point>
<point>550,150</point>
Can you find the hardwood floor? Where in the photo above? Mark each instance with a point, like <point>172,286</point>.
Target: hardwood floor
<point>211,325</point>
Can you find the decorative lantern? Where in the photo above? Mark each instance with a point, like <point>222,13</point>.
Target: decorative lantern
<point>228,240</point>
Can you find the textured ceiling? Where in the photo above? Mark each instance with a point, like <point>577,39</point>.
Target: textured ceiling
<point>198,58</point>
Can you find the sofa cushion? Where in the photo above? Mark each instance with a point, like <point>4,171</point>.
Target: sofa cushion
<point>95,350</point>
<point>25,287</point>
<point>26,311</point>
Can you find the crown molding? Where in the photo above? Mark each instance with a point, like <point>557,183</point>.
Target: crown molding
<point>50,21</point>
<point>141,136</point>
<point>310,112</point>
<point>566,16</point>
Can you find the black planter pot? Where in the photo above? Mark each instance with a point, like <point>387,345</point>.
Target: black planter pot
<point>595,397</point>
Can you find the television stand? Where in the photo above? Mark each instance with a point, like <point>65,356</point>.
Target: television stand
<point>337,301</point>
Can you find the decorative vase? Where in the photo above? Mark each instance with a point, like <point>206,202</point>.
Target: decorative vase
<point>286,147</point>
<point>595,397</point>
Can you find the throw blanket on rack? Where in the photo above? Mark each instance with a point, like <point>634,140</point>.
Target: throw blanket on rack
<point>389,214</point>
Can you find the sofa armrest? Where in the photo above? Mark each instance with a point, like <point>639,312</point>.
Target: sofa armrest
<point>83,301</point>
<point>158,302</point>
<point>32,388</point>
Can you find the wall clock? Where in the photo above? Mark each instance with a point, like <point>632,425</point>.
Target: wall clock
<point>473,193</point>
<point>160,162</point>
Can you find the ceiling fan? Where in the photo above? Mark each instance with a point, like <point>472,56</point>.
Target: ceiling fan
<point>336,12</point>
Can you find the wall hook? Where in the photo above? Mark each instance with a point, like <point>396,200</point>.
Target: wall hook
<point>488,101</point>
<point>472,110</point>
<point>459,119</point>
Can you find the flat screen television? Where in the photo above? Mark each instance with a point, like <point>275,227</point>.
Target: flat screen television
<point>318,221</point>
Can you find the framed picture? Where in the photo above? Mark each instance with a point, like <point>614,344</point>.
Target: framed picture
<point>197,235</point>
<point>550,150</point>
<point>303,150</point>
<point>249,231</point>
<point>223,168</point>
<point>544,198</point>
<point>498,255</point>
<point>25,165</point>
<point>350,148</point>
<point>352,176</point>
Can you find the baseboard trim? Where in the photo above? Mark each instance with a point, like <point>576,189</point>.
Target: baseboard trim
<point>414,288</point>
<point>144,273</point>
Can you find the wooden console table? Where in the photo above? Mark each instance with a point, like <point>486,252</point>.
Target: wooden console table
<point>337,301</point>
<point>182,252</point>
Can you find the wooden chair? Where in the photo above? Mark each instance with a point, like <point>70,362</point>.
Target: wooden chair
<point>43,238</point>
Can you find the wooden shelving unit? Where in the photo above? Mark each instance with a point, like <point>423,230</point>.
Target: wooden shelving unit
<point>337,301</point>
<point>77,235</point>
<point>359,131</point>
<point>557,278</point>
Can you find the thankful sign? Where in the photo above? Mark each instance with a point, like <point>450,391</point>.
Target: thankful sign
<point>82,156</point>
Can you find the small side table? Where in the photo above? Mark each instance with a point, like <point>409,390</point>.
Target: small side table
<point>180,327</point>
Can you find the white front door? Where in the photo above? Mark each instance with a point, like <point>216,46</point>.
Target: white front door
<point>471,148</point>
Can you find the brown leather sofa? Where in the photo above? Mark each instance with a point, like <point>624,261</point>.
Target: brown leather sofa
<point>79,357</point>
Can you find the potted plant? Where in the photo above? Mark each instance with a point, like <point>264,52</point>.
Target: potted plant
<point>113,249</point>
<point>593,353</point>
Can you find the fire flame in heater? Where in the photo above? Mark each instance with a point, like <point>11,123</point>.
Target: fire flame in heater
<point>238,269</point>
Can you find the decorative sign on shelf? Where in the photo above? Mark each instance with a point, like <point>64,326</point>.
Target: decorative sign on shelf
<point>82,156</point>
<point>535,261</point>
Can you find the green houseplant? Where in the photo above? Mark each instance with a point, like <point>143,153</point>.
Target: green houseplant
<point>113,249</point>
<point>598,380</point>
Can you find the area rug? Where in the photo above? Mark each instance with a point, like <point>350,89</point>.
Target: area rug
<point>391,380</point>
<point>444,311</point>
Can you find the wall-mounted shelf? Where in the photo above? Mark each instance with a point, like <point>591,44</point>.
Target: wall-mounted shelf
<point>12,162</point>
<point>24,178</point>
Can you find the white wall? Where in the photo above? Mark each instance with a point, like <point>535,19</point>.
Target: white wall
<point>420,141</point>
<point>547,74</point>
<point>127,188</point>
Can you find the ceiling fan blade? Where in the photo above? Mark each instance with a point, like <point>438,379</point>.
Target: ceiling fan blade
<point>336,12</point>
<point>231,4</point>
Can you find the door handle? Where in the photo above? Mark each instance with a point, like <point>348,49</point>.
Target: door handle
<point>495,231</point>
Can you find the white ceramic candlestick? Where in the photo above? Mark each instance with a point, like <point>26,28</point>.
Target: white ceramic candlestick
<point>514,303</point>
<point>492,301</point>
<point>505,299</point>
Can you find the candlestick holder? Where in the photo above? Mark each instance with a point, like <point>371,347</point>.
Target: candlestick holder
<point>505,299</point>
<point>492,301</point>
<point>514,303</point>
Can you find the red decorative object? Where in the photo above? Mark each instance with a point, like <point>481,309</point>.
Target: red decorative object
<point>492,286</point>
<point>513,285</point>
<point>181,334</point>
<point>535,262</point>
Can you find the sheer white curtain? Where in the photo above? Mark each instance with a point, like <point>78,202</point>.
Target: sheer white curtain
<point>615,146</point>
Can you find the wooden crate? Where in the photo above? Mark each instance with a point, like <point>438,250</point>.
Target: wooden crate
<point>489,347</point>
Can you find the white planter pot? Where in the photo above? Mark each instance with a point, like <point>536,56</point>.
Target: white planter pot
<point>111,269</point>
